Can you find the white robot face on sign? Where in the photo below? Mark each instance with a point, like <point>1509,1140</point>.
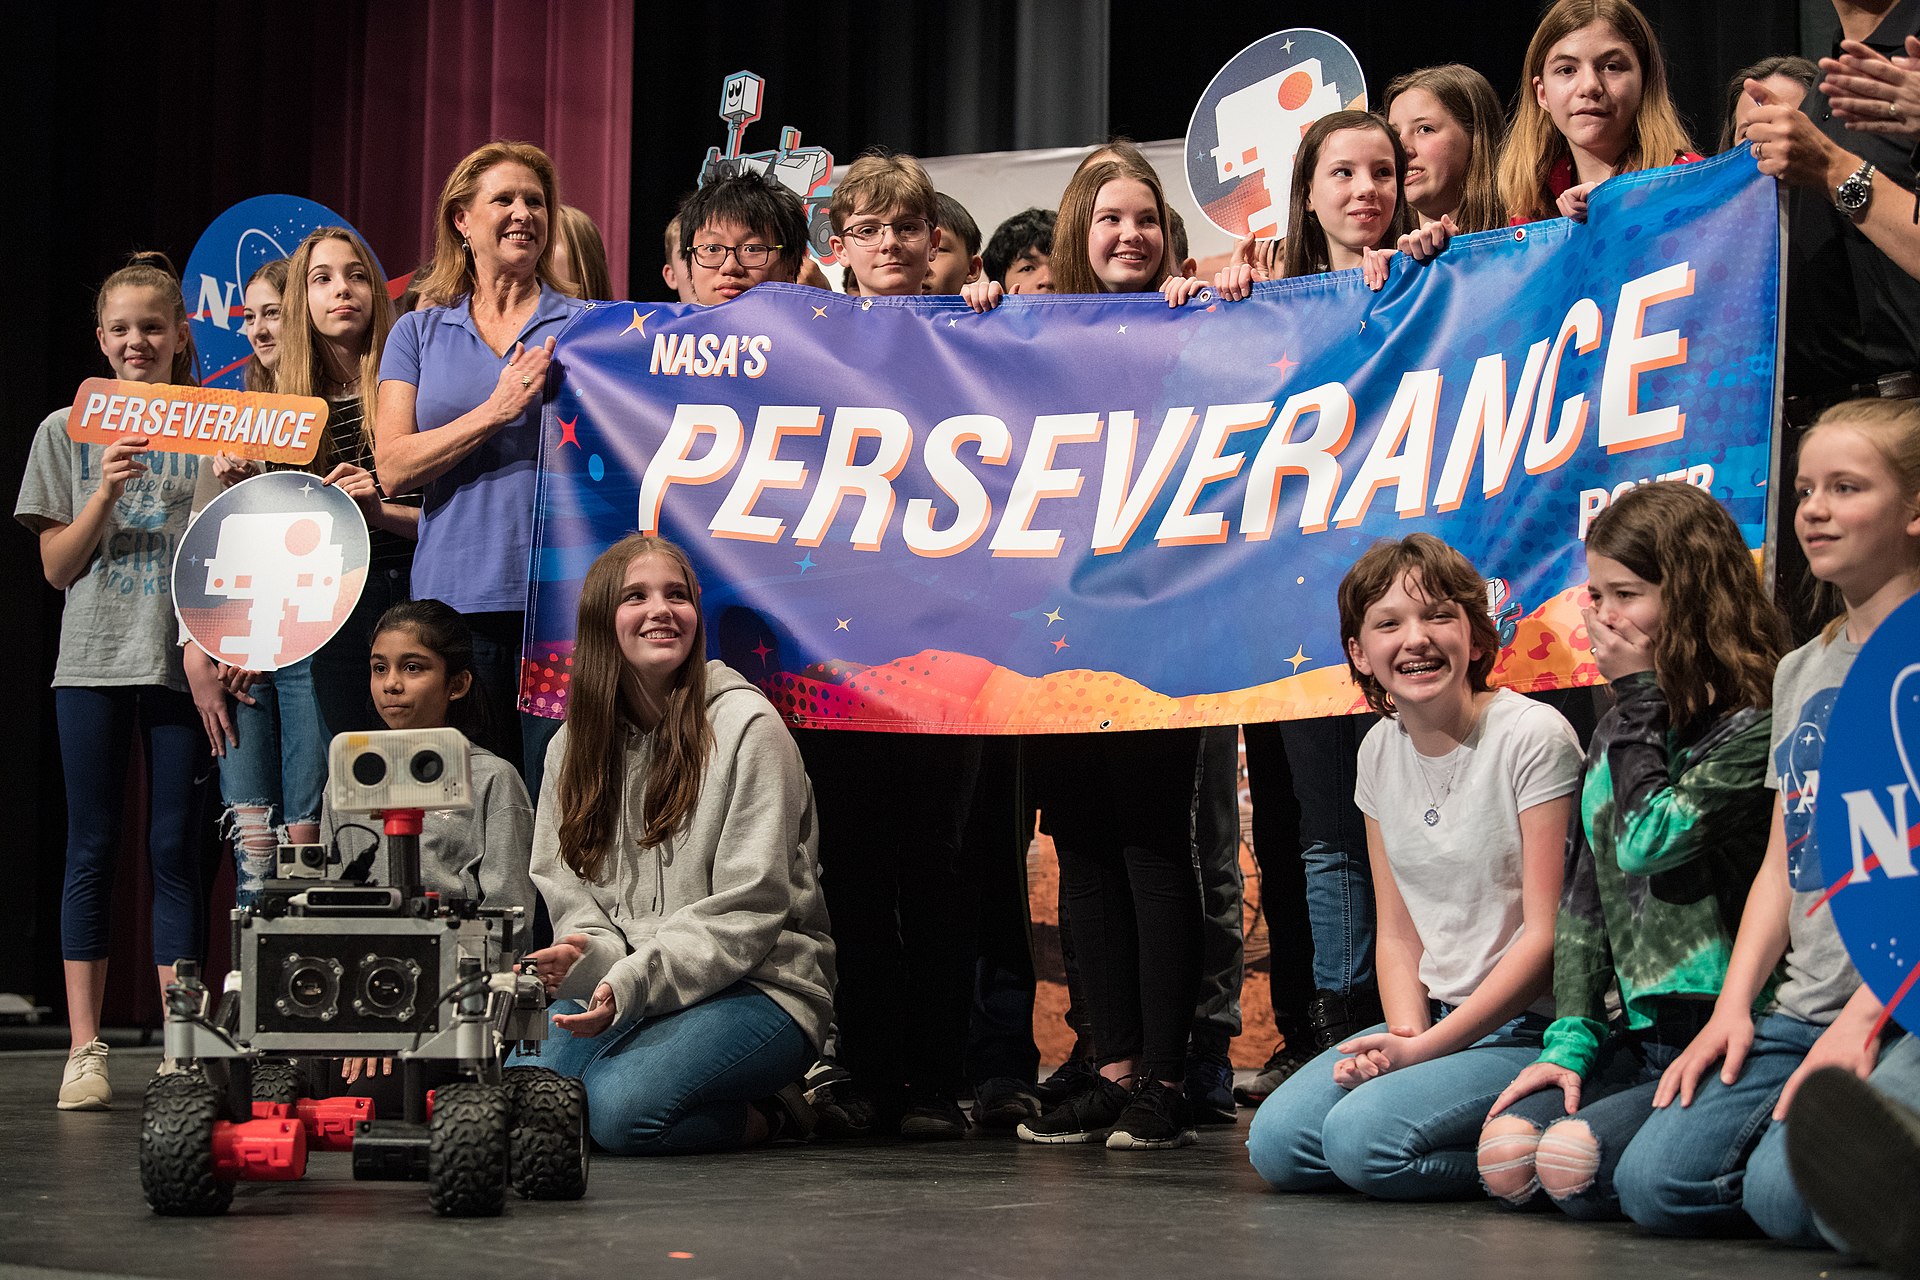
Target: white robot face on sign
<point>281,561</point>
<point>1260,128</point>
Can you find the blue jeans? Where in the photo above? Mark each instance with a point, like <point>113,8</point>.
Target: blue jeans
<point>279,766</point>
<point>1616,1101</point>
<point>97,727</point>
<point>1411,1134</point>
<point>680,1083</point>
<point>1685,1173</point>
<point>1771,1199</point>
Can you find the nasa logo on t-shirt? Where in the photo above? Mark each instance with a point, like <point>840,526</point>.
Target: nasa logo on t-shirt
<point>1868,818</point>
<point>235,245</point>
<point>1796,766</point>
<point>1247,126</point>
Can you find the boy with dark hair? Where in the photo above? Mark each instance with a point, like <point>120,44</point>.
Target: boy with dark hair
<point>740,232</point>
<point>956,261</point>
<point>1177,242</point>
<point>886,224</point>
<point>1019,254</point>
<point>674,270</point>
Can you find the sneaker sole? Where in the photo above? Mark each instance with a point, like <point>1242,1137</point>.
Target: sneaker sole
<point>930,1131</point>
<point>1120,1140</point>
<point>86,1104</point>
<point>1061,1139</point>
<point>1848,1136</point>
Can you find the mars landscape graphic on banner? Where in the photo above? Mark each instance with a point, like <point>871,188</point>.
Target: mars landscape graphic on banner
<point>1867,811</point>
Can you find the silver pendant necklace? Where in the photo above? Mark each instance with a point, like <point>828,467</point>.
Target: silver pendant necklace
<point>1432,816</point>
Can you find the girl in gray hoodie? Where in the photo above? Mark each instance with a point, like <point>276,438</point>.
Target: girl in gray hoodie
<point>674,844</point>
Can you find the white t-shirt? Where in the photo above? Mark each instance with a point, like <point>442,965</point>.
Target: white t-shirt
<point>1461,877</point>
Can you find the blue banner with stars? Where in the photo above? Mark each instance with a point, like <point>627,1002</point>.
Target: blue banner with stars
<point>1086,513</point>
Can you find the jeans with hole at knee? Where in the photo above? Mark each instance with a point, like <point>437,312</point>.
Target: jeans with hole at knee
<point>1616,1100</point>
<point>1685,1172</point>
<point>280,762</point>
<point>1770,1197</point>
<point>679,1083</point>
<point>97,729</point>
<point>1412,1134</point>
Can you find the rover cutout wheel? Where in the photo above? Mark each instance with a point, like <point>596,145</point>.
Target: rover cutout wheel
<point>550,1147</point>
<point>276,1082</point>
<point>467,1151</point>
<point>176,1148</point>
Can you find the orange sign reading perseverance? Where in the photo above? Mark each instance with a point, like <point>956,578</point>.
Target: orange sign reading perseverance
<point>242,424</point>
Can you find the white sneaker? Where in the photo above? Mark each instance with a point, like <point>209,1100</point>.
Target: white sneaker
<point>83,1086</point>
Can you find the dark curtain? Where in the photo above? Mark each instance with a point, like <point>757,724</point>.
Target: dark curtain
<point>419,85</point>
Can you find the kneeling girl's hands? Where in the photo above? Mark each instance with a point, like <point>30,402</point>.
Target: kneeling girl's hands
<point>1538,1078</point>
<point>1375,1055</point>
<point>595,1018</point>
<point>1728,1035</point>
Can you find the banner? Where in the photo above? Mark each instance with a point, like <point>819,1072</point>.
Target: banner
<point>1863,796</point>
<point>1087,513</point>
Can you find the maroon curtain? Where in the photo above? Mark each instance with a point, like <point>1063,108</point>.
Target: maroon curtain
<point>419,84</point>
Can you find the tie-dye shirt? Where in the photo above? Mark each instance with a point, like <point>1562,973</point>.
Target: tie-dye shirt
<point>1672,829</point>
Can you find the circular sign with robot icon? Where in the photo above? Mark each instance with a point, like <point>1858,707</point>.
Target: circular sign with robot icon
<point>270,570</point>
<point>1247,126</point>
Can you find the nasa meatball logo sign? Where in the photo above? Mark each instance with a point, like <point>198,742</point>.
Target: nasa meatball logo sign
<point>270,569</point>
<point>1867,811</point>
<point>234,246</point>
<point>1246,129</point>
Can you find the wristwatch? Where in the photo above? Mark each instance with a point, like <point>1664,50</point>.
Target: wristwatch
<point>1851,196</point>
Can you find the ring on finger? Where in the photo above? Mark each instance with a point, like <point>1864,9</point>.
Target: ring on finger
<point>526,380</point>
<point>1893,111</point>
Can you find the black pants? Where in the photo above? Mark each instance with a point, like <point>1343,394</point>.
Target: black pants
<point>999,829</point>
<point>1120,809</point>
<point>904,899</point>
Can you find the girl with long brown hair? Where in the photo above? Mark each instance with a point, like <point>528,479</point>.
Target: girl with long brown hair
<point>1671,829</point>
<point>1451,128</point>
<point>675,846</point>
<point>1592,103</point>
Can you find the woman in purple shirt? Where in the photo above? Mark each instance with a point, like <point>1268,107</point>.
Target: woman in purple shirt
<point>459,411</point>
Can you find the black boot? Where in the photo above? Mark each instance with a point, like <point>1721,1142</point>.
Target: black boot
<point>1335,1016</point>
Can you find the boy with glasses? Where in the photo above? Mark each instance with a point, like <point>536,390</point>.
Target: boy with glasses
<point>886,224</point>
<point>740,232</point>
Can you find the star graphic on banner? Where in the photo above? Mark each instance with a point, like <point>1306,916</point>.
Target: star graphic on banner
<point>566,430</point>
<point>843,624</point>
<point>307,487</point>
<point>1123,328</point>
<point>761,650</point>
<point>953,322</point>
<point>1299,656</point>
<point>1059,644</point>
<point>1052,616</point>
<point>639,322</point>
<point>806,562</point>
<point>819,313</point>
<point>1284,364</point>
<point>1288,46</point>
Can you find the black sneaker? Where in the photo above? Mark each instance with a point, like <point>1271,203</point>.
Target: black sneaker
<point>1209,1091</point>
<point>789,1116</point>
<point>1003,1102</point>
<point>1088,1116</point>
<point>840,1109</point>
<point>1846,1137</point>
<point>1073,1077</point>
<point>1155,1119</point>
<point>1288,1058</point>
<point>933,1119</point>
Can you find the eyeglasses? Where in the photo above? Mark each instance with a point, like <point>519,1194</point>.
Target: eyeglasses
<point>906,231</point>
<point>747,255</point>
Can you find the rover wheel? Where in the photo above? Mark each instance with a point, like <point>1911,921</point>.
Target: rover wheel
<point>550,1147</point>
<point>275,1081</point>
<point>176,1148</point>
<point>467,1151</point>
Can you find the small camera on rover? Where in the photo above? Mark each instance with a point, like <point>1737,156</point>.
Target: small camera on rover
<point>301,862</point>
<point>399,769</point>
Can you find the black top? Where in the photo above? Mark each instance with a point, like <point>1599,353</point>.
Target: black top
<point>1852,315</point>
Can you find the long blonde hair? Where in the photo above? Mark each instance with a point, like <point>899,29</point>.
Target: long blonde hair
<point>1535,145</point>
<point>1893,428</point>
<point>301,368</point>
<point>593,778</point>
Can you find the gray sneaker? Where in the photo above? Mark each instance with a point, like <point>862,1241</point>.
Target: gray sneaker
<point>83,1085</point>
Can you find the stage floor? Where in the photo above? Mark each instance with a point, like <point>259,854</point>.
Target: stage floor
<point>987,1207</point>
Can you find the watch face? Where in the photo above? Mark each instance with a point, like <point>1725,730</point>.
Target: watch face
<point>1852,194</point>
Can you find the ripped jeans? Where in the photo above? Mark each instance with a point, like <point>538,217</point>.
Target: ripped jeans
<point>1616,1099</point>
<point>275,775</point>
